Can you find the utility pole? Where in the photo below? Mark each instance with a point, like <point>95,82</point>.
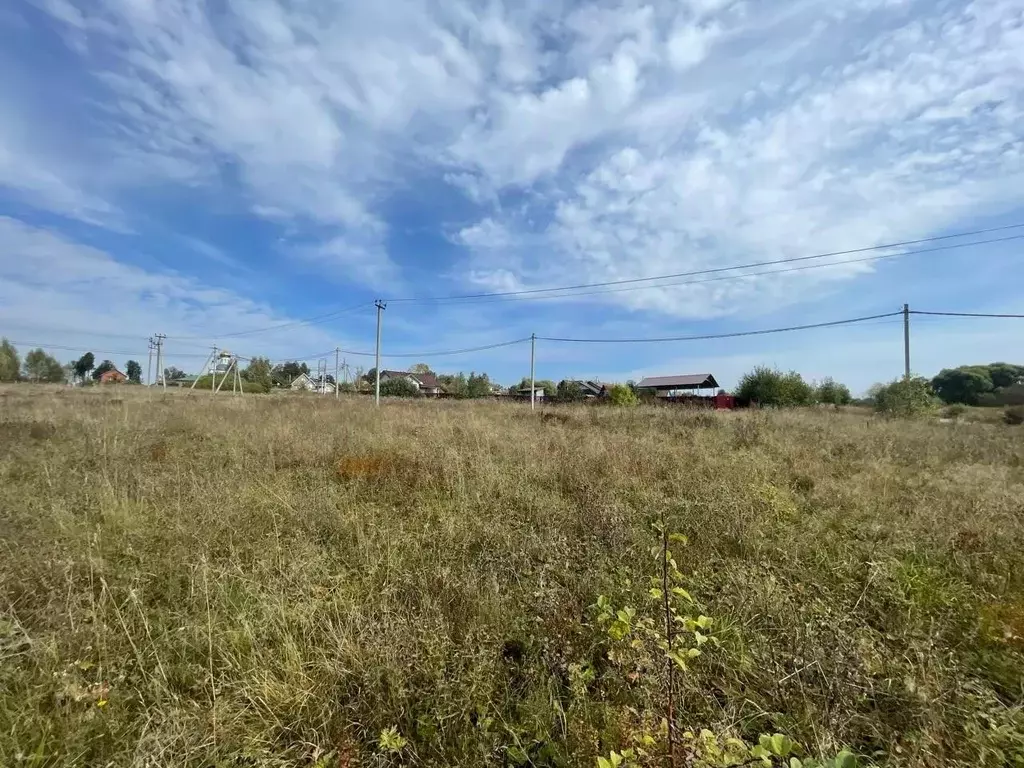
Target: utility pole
<point>216,362</point>
<point>381,306</point>
<point>336,353</point>
<point>533,380</point>
<point>906,342</point>
<point>160,359</point>
<point>206,367</point>
<point>149,365</point>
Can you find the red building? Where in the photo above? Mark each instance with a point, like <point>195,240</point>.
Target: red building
<point>112,376</point>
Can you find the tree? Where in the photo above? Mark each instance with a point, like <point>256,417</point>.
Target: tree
<point>40,367</point>
<point>420,368</point>
<point>478,385</point>
<point>455,385</point>
<point>260,372</point>
<point>99,370</point>
<point>621,394</point>
<point>569,391</point>
<point>904,397</point>
<point>1005,375</point>
<point>173,374</point>
<point>768,386</point>
<point>83,365</point>
<point>399,386</point>
<point>962,385</point>
<point>284,374</point>
<point>832,392</point>
<point>10,362</point>
<point>134,372</point>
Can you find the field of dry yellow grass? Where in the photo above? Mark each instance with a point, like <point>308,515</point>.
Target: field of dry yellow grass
<point>279,581</point>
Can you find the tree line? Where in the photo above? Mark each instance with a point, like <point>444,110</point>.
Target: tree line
<point>41,368</point>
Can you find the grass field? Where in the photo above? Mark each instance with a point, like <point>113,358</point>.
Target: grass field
<point>191,581</point>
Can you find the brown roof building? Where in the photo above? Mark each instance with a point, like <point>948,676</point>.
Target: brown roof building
<point>113,376</point>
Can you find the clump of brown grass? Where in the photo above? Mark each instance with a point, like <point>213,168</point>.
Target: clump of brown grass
<point>276,581</point>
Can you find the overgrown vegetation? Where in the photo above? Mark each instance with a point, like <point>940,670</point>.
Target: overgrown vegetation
<point>904,397</point>
<point>993,384</point>
<point>770,387</point>
<point>199,581</point>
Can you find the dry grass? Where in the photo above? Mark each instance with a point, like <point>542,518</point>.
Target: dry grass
<point>272,582</point>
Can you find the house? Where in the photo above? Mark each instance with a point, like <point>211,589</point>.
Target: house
<point>426,383</point>
<point>593,388</point>
<point>670,386</point>
<point>113,376</point>
<point>306,383</point>
<point>523,393</point>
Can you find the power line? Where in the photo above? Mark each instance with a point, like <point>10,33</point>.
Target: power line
<point>751,265</point>
<point>425,354</point>
<point>723,335</point>
<point>961,314</point>
<point>459,351</point>
<point>292,323</point>
<point>740,277</point>
<point>94,351</point>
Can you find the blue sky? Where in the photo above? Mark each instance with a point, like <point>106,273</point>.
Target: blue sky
<point>209,168</point>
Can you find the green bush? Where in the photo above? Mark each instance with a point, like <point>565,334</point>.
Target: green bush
<point>621,394</point>
<point>398,387</point>
<point>249,387</point>
<point>768,386</point>
<point>904,397</point>
<point>1014,415</point>
<point>832,392</point>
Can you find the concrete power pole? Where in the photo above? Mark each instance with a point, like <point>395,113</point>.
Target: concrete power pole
<point>381,306</point>
<point>149,365</point>
<point>533,380</point>
<point>906,342</point>
<point>336,353</point>
<point>160,359</point>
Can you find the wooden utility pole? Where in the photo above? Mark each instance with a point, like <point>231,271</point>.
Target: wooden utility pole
<point>381,306</point>
<point>906,342</point>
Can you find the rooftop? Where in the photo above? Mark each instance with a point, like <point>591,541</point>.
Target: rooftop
<point>682,381</point>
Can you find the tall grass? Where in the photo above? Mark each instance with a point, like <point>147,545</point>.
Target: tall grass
<point>195,581</point>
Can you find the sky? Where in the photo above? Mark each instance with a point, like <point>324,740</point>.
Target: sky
<point>254,174</point>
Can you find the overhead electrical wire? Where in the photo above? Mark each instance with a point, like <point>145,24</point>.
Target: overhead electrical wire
<point>961,314</point>
<point>741,276</point>
<point>735,334</point>
<point>751,265</point>
<point>307,321</point>
<point>424,354</point>
<point>95,351</point>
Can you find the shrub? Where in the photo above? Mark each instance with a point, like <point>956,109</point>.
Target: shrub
<point>398,387</point>
<point>1014,415</point>
<point>904,397</point>
<point>832,392</point>
<point>768,386</point>
<point>955,411</point>
<point>621,394</point>
<point>249,387</point>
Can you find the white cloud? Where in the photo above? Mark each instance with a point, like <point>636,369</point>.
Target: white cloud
<point>891,135</point>
<point>56,291</point>
<point>631,138</point>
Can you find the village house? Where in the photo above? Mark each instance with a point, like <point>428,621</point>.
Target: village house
<point>426,384</point>
<point>113,376</point>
